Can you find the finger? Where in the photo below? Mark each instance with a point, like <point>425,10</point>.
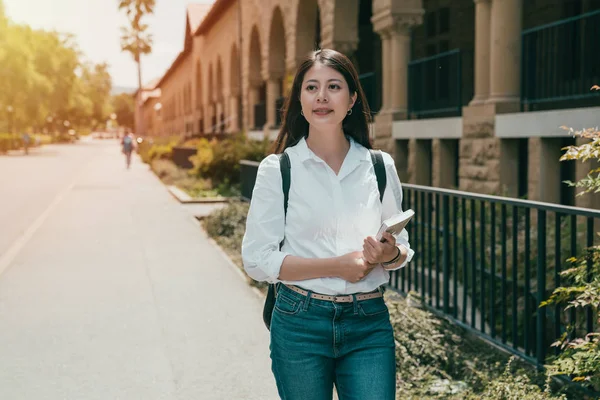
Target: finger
<point>368,254</point>
<point>389,238</point>
<point>373,241</point>
<point>373,251</point>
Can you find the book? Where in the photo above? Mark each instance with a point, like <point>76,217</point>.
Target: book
<point>395,224</point>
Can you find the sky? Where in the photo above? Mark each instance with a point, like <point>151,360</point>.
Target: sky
<point>96,24</point>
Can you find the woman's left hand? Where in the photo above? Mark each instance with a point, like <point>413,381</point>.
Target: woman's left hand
<point>376,252</point>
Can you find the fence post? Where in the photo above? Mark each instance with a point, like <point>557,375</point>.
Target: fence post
<point>446,251</point>
<point>541,289</point>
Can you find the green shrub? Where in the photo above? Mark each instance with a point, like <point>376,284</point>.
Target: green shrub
<point>517,386</point>
<point>219,160</point>
<point>227,226</point>
<point>167,171</point>
<point>580,355</point>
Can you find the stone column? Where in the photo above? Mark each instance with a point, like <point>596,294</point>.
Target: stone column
<point>254,95</point>
<point>482,51</point>
<point>273,92</point>
<point>394,28</point>
<point>395,45</point>
<point>505,56</point>
<point>386,59</point>
<point>233,116</point>
<point>398,70</point>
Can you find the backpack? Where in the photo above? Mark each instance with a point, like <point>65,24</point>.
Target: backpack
<point>285,168</point>
<point>127,143</point>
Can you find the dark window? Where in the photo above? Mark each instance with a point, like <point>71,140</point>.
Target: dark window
<point>431,25</point>
<point>523,168</point>
<point>443,46</point>
<point>444,20</point>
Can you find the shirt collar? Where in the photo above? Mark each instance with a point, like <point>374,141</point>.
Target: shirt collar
<point>356,154</point>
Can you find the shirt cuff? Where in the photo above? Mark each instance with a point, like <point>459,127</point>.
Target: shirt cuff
<point>273,267</point>
<point>410,253</point>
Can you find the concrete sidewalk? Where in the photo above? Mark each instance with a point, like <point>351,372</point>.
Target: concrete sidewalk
<point>120,295</point>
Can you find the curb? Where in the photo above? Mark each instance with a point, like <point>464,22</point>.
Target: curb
<point>185,198</point>
<point>242,276</point>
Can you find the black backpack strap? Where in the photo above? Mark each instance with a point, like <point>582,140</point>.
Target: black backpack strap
<point>285,167</point>
<point>379,167</point>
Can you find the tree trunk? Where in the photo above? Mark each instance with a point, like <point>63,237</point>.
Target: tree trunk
<point>140,124</point>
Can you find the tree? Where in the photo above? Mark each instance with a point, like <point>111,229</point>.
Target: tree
<point>136,40</point>
<point>123,106</point>
<point>97,85</point>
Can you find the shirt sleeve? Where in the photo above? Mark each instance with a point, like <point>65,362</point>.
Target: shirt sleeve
<point>392,204</point>
<point>265,224</point>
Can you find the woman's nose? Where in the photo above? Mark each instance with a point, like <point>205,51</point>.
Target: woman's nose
<point>321,96</point>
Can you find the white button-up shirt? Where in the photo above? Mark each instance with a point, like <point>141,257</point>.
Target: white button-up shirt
<point>328,215</point>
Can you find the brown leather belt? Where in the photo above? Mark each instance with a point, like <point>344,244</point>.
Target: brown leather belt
<point>338,299</point>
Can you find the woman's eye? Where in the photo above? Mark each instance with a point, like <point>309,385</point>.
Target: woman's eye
<point>334,86</point>
<point>311,87</point>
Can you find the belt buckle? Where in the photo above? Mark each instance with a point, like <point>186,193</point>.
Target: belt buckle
<point>337,299</point>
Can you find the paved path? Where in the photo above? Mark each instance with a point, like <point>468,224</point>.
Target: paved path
<point>110,290</point>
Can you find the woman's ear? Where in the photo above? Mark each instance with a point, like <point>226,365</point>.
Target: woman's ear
<point>353,100</point>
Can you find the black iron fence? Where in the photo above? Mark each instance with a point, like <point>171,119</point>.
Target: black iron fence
<point>487,262</point>
<point>561,60</point>
<point>435,86</point>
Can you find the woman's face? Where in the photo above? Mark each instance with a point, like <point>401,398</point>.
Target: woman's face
<point>324,96</point>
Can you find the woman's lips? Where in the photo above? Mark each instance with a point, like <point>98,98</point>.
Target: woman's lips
<point>322,111</point>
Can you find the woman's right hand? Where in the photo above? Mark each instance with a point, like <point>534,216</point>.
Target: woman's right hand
<point>353,267</point>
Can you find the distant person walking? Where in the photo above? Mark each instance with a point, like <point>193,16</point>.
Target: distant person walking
<point>26,137</point>
<point>127,145</point>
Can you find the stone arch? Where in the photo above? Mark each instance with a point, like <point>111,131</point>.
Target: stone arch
<point>198,85</point>
<point>256,101</point>
<point>234,115</point>
<point>210,85</point>
<point>255,57</point>
<point>219,96</point>
<point>277,47</point>
<point>234,71</point>
<point>308,28</point>
<point>219,81</point>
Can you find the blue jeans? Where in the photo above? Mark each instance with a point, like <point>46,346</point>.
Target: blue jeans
<point>316,344</point>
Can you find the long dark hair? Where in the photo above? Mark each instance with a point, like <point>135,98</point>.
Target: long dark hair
<point>294,126</point>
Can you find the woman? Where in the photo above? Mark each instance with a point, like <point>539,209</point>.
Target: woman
<point>330,324</point>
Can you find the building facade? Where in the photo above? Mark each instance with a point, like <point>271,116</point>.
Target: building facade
<point>466,94</point>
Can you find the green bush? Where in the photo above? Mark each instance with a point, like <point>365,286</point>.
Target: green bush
<point>219,160</point>
<point>227,226</point>
<point>152,148</point>
<point>579,358</point>
<point>519,386</point>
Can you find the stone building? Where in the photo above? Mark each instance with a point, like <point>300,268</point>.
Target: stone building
<point>466,94</point>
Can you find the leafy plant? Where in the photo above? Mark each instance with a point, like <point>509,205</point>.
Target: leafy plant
<point>580,356</point>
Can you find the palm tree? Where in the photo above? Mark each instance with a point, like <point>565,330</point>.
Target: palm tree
<point>136,40</point>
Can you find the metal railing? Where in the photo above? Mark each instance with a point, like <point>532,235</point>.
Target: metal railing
<point>487,262</point>
<point>561,60</point>
<point>435,86</point>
